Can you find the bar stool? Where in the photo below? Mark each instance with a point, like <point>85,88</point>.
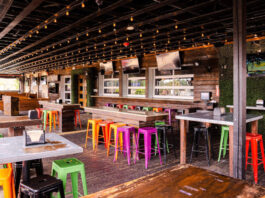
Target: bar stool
<point>107,105</point>
<point>77,114</point>
<point>147,132</point>
<point>93,123</point>
<point>157,109</point>
<point>53,118</point>
<point>138,108</point>
<point>223,141</point>
<point>254,139</point>
<point>33,164</point>
<point>45,117</point>
<point>42,186</point>
<point>164,129</point>
<point>131,107</point>
<point>39,111</point>
<point>114,127</point>
<point>147,109</point>
<point>119,106</point>
<point>169,115</point>
<point>195,146</point>
<point>70,166</point>
<point>125,106</point>
<point>7,181</point>
<point>104,125</point>
<point>125,132</point>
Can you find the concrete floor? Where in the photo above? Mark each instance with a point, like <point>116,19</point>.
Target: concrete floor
<point>102,173</point>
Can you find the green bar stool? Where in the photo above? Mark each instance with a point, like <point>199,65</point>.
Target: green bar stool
<point>44,118</point>
<point>223,141</point>
<point>147,109</point>
<point>70,166</point>
<point>1,135</point>
<point>125,106</point>
<point>159,123</point>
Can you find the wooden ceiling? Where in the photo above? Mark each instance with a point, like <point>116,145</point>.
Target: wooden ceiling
<point>39,35</point>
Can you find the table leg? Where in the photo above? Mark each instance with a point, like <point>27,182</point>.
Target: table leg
<point>187,111</point>
<point>15,131</point>
<point>254,127</point>
<point>231,153</point>
<point>183,141</point>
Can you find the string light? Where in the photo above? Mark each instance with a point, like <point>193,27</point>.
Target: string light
<point>83,5</point>
<point>184,38</point>
<point>114,24</point>
<point>37,31</point>
<point>202,34</point>
<point>67,13</point>
<point>141,35</point>
<point>45,26</point>
<point>131,18</point>
<point>77,38</point>
<point>87,34</point>
<point>55,20</point>
<point>176,26</point>
<point>68,41</point>
<point>99,30</point>
<point>157,31</point>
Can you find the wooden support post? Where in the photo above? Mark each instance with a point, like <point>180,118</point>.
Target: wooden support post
<point>183,141</point>
<point>239,90</point>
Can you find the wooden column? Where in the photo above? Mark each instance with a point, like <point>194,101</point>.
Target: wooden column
<point>239,90</point>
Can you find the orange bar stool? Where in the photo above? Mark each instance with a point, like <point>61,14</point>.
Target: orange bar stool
<point>114,127</point>
<point>53,119</point>
<point>7,181</point>
<point>93,123</point>
<point>77,114</point>
<point>104,125</point>
<point>254,139</point>
<point>157,110</point>
<point>120,106</point>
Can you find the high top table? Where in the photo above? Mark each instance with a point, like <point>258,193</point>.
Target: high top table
<point>133,117</point>
<point>208,118</point>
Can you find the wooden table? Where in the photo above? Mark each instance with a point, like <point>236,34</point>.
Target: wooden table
<point>66,114</point>
<point>180,182</point>
<point>132,117</point>
<point>208,118</point>
<point>16,124</point>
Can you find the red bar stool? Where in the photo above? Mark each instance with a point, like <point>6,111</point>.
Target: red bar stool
<point>120,106</point>
<point>77,114</point>
<point>39,111</point>
<point>253,139</point>
<point>104,125</point>
<point>131,107</point>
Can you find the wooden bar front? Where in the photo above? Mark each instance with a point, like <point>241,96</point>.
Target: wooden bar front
<point>66,114</point>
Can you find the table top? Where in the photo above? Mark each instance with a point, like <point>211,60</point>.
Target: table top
<point>208,117</point>
<point>261,108</point>
<point>125,112</point>
<point>17,121</point>
<point>57,105</point>
<point>12,149</point>
<point>182,181</point>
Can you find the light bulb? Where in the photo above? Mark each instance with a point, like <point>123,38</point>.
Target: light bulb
<point>67,13</point>
<point>83,5</point>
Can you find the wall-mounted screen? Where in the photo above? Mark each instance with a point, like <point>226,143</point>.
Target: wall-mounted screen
<point>168,61</point>
<point>106,67</point>
<point>256,64</point>
<point>53,88</point>
<point>130,66</point>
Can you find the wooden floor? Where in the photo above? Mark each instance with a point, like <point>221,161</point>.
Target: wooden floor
<point>180,182</point>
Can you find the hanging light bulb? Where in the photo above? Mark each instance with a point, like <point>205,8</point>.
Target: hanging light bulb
<point>131,19</point>
<point>67,13</point>
<point>115,42</point>
<point>83,4</point>
<point>30,36</point>
<point>127,39</point>
<point>99,30</point>
<point>114,24</point>
<point>184,38</point>
<point>157,31</point>
<point>77,38</point>
<point>141,35</point>
<point>55,20</point>
<point>45,26</point>
<point>176,26</point>
<point>87,34</point>
<point>68,41</point>
<point>202,34</point>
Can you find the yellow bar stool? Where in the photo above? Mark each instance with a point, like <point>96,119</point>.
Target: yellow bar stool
<point>114,127</point>
<point>53,118</point>
<point>93,123</point>
<point>157,109</point>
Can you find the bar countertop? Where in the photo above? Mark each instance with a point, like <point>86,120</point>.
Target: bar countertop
<point>208,117</point>
<point>260,108</point>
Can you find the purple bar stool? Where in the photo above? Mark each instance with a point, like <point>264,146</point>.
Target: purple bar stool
<point>126,131</point>
<point>107,105</point>
<point>169,115</point>
<point>147,132</point>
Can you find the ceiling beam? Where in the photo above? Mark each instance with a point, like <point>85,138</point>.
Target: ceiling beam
<point>32,6</point>
<point>69,27</point>
<point>7,4</point>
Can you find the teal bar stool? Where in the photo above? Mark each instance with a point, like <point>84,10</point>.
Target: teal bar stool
<point>147,109</point>
<point>223,141</point>
<point>125,106</point>
<point>70,166</point>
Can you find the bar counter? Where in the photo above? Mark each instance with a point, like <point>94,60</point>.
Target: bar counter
<point>66,114</point>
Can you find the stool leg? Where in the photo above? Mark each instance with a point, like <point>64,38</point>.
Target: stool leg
<point>75,120</point>
<point>197,140</point>
<point>164,145</point>
<point>74,178</point>
<point>137,148</point>
<point>7,188</point>
<point>116,136</point>
<point>87,134</point>
<point>54,121</point>
<point>50,120</point>
<point>61,190</point>
<point>221,145</point>
<point>262,153</point>
<point>127,139</point>
<point>174,144</point>
<point>18,172</point>
<point>79,120</point>
<point>159,153</point>
<point>247,149</point>
<point>83,178</point>
<point>45,120</point>
<point>254,148</point>
<point>146,141</point>
<point>116,146</point>
<point>225,142</point>
<point>193,144</point>
<point>62,177</point>
<point>110,129</point>
<point>94,132</point>
<point>207,147</point>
